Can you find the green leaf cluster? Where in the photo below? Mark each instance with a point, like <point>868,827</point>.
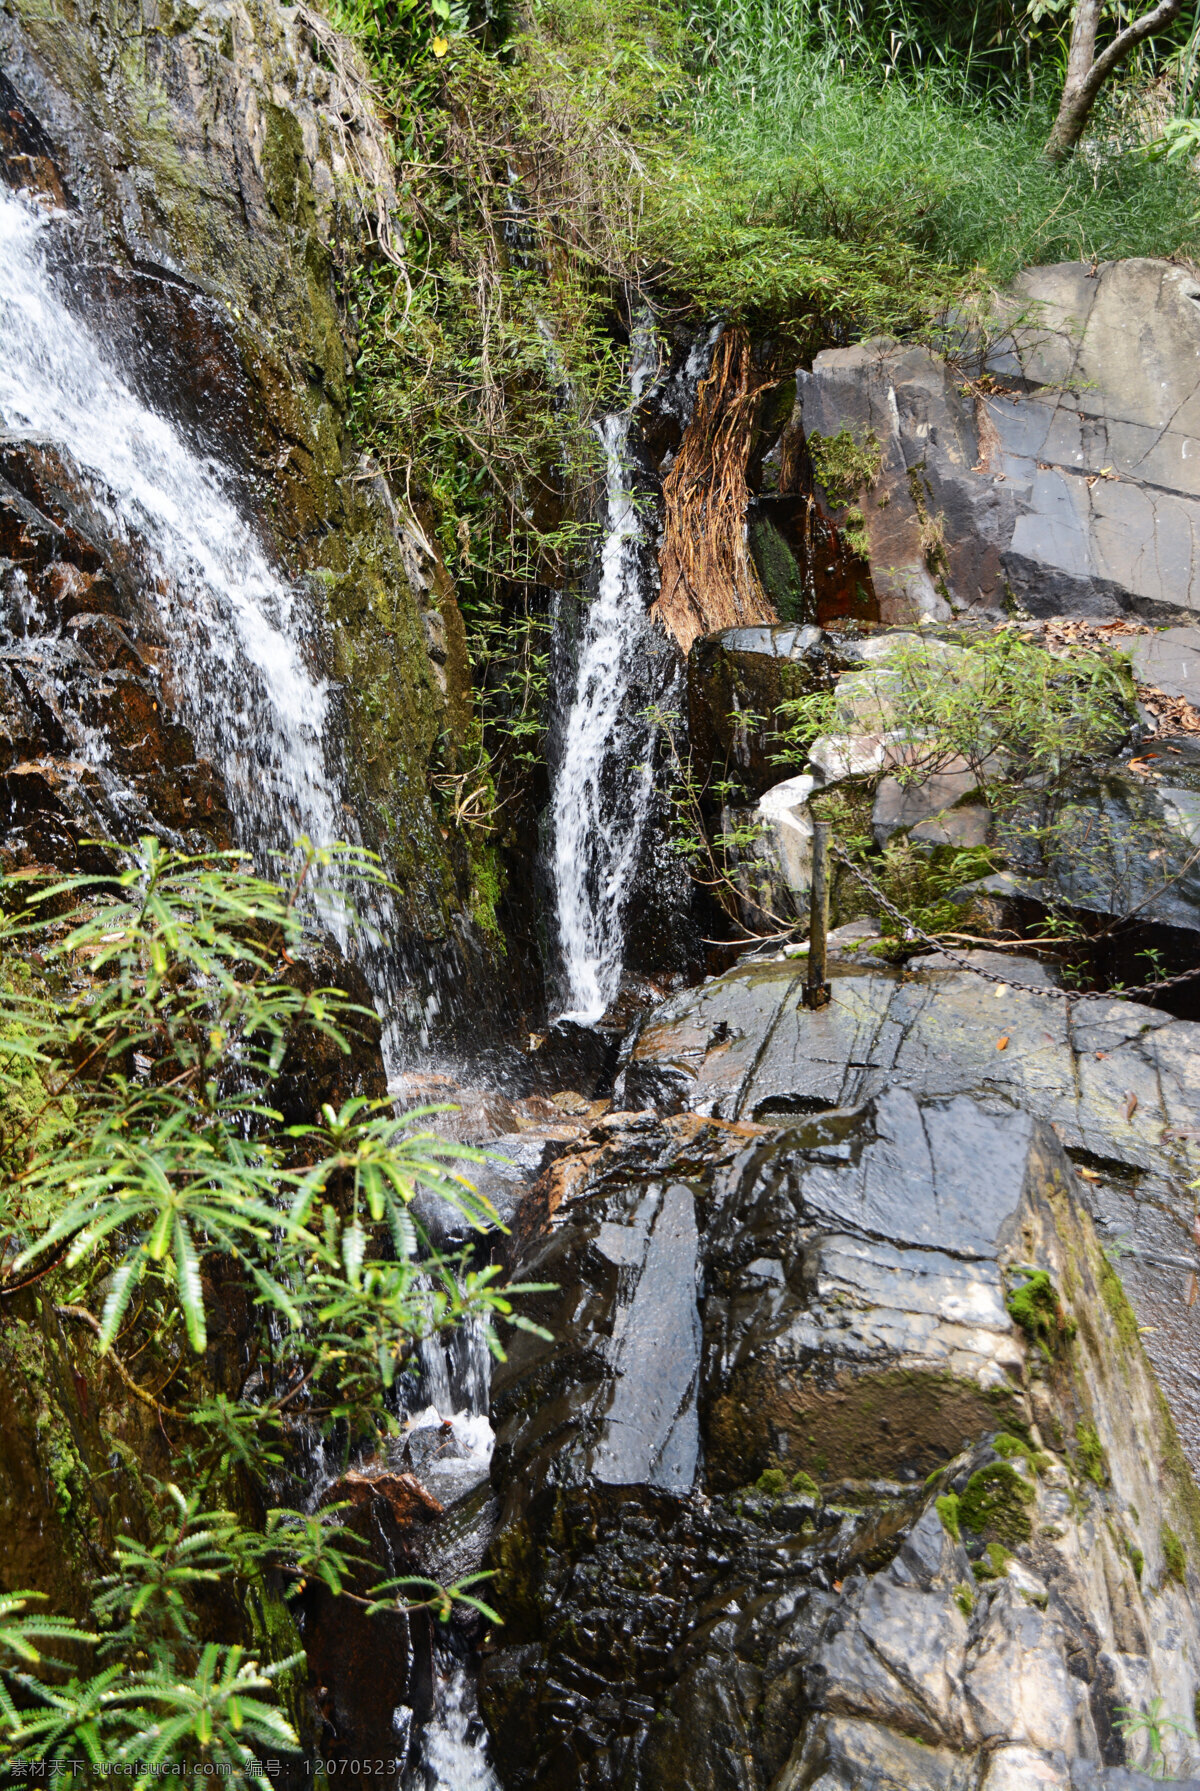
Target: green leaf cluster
<point>158,1007</point>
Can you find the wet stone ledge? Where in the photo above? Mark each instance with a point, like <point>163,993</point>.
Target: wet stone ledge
<point>846,1455</point>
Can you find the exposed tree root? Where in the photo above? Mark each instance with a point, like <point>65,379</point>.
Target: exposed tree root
<point>708,577</point>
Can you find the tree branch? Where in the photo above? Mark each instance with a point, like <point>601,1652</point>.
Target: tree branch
<point>1087,72</point>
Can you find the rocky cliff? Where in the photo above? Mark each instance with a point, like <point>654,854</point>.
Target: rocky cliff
<point>209,170</point>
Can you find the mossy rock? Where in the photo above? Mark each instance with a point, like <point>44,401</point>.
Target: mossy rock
<point>1034,1305</point>
<point>995,1505</point>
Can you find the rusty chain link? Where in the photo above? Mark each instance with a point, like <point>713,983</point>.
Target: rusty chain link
<point>912,931</point>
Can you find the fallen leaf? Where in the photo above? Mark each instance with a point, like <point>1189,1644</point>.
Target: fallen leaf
<point>1089,1175</point>
<point>1101,1054</point>
<point>439,46</point>
<point>1196,1228</point>
<point>1192,1290</point>
<point>1131,1106</point>
<point>1002,1043</point>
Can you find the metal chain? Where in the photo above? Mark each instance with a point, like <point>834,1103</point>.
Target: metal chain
<point>912,930</point>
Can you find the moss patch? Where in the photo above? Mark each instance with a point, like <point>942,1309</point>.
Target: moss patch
<point>1173,1554</point>
<point>996,1505</point>
<point>1119,1309</point>
<point>1034,1305</point>
<point>993,1563</point>
<point>1091,1453</point>
<point>947,1510</point>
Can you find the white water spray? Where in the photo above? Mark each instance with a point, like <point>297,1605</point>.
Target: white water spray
<point>455,1757</point>
<point>250,701</point>
<point>605,783</point>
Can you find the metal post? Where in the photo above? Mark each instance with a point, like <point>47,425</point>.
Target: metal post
<point>816,993</point>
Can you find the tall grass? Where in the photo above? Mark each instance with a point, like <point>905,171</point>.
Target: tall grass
<point>846,121</point>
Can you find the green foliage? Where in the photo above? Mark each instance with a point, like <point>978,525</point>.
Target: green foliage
<point>806,1486</point>
<point>153,1165</point>
<point>1034,1305</point>
<point>1138,1560</point>
<point>167,1047</point>
<point>845,467</point>
<point>1173,1554</point>
<point>1008,708</point>
<point>864,125</point>
<point>995,1504</point>
<point>1154,1727</point>
<point>964,1598</point>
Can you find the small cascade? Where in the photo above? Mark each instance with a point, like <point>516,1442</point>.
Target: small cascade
<point>455,1755</point>
<point>604,782</point>
<point>236,629</point>
<point>449,1445</point>
<point>252,704</point>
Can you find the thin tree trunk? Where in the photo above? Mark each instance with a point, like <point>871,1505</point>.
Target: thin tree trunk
<point>1087,72</point>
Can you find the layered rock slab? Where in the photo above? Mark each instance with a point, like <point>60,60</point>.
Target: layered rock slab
<point>1065,478</point>
<point>824,1305</point>
<point>1119,1083</point>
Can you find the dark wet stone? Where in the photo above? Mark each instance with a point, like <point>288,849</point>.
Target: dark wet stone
<point>736,681</point>
<point>796,1604</point>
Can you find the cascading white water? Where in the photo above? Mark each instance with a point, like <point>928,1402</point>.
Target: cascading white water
<point>604,783</point>
<point>252,705</point>
<point>455,1757</point>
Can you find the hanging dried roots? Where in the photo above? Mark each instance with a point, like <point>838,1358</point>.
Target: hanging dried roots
<point>709,580</point>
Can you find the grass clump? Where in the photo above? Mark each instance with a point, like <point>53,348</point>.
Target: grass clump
<point>772,1482</point>
<point>964,1598</point>
<point>806,1486</point>
<point>845,467</point>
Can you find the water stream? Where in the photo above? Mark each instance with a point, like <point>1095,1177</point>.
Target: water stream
<point>251,702</point>
<point>604,782</point>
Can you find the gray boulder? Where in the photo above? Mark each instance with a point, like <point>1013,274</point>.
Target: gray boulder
<point>1119,1083</point>
<point>1170,661</point>
<point>1069,481</point>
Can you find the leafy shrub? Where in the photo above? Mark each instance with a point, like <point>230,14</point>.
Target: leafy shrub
<point>154,1009</point>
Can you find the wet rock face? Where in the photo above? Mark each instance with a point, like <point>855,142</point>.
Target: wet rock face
<point>736,681</point>
<point>1046,483</point>
<point>722,1560</point>
<point>90,750</point>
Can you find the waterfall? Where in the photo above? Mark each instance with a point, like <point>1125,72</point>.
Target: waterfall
<point>252,704</point>
<point>455,1755</point>
<point>604,783</point>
